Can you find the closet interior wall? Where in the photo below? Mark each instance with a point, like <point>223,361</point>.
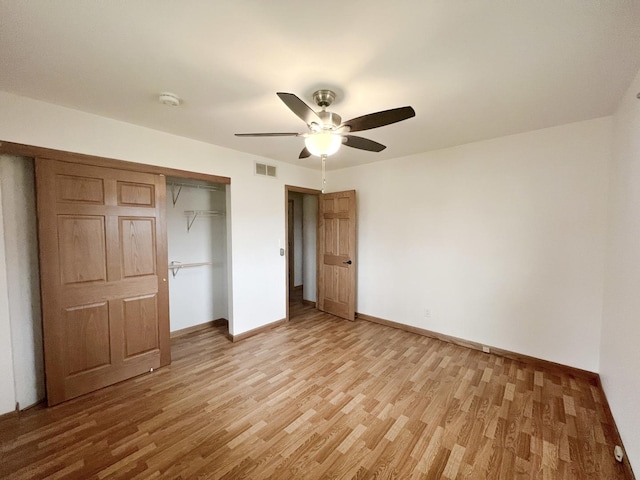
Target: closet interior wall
<point>309,237</point>
<point>305,221</point>
<point>21,319</point>
<point>298,257</point>
<point>197,239</point>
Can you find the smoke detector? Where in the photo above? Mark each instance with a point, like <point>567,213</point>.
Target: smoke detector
<point>169,99</point>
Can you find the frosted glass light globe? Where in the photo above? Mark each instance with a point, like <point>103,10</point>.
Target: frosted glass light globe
<point>323,143</point>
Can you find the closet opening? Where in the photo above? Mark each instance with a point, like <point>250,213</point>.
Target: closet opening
<point>197,217</point>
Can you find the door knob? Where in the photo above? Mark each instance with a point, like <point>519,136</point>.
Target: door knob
<point>349,262</point>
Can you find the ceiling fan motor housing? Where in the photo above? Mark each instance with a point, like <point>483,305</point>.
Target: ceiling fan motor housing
<point>329,119</point>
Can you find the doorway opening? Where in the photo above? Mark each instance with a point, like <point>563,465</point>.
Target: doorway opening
<point>302,258</point>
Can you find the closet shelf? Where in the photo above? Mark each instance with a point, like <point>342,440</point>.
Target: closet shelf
<point>176,188</point>
<point>193,214</point>
<point>176,266</point>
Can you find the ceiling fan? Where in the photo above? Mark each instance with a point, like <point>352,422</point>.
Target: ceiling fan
<point>327,132</point>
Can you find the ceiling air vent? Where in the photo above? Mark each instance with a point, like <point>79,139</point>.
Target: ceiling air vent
<point>265,170</point>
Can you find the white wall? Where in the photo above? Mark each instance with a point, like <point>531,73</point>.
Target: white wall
<point>257,214</point>
<point>298,259</point>
<point>620,354</point>
<point>309,231</point>
<point>501,240</point>
<point>21,250</point>
<point>7,378</point>
<point>197,295</point>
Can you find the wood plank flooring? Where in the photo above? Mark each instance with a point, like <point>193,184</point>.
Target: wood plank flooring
<point>319,398</point>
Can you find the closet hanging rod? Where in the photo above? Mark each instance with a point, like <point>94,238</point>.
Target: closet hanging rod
<point>176,266</point>
<point>175,195</point>
<point>200,213</point>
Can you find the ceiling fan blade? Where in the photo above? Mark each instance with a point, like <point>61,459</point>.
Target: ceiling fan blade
<point>300,108</point>
<point>305,153</point>
<point>363,143</point>
<point>379,119</point>
<point>288,134</point>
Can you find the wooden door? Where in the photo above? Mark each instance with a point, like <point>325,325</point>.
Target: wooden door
<point>337,254</point>
<point>103,270</point>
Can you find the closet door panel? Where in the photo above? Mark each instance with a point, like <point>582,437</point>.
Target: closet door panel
<point>82,247</point>
<point>136,194</point>
<point>137,246</point>
<point>140,326</point>
<point>86,328</point>
<point>75,189</point>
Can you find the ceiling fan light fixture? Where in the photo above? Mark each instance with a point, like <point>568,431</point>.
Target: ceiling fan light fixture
<point>323,143</point>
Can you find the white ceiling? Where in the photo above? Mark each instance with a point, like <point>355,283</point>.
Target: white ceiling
<point>472,70</point>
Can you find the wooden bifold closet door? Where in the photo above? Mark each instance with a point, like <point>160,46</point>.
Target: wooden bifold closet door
<point>103,270</point>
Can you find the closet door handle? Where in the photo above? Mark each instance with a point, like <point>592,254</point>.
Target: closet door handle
<point>348,262</point>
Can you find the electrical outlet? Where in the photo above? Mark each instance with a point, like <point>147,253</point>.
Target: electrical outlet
<point>486,349</point>
<point>427,314</point>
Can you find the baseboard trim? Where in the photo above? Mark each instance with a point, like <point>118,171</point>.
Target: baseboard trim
<point>21,411</point>
<point>609,414</point>
<point>538,362</point>
<point>40,403</point>
<point>256,331</point>
<point>309,303</point>
<point>12,414</point>
<point>220,322</point>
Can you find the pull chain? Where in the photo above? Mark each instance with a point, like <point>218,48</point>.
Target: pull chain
<point>324,179</point>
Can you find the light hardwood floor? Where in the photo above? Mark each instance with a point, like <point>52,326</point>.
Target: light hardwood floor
<point>322,397</point>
